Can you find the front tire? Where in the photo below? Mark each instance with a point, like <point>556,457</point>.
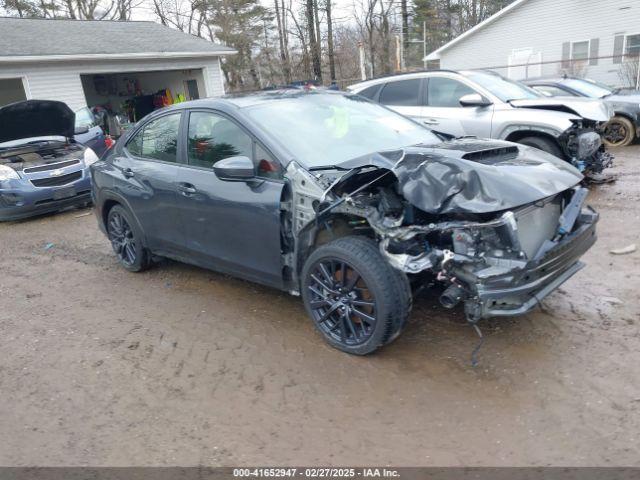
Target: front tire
<point>619,132</point>
<point>544,144</point>
<point>356,300</point>
<point>126,240</point>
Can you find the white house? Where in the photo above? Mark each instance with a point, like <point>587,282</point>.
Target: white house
<point>89,63</point>
<point>599,39</point>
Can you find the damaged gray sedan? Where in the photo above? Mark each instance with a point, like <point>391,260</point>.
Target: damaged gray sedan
<point>346,203</point>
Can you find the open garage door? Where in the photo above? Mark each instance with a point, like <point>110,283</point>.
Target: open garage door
<point>11,90</point>
<point>121,98</point>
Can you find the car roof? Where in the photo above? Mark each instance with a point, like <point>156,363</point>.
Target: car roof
<point>417,74</point>
<point>243,100</point>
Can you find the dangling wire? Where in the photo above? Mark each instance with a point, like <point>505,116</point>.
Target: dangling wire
<point>474,354</point>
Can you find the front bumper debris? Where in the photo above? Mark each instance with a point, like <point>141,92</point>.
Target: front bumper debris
<point>518,292</point>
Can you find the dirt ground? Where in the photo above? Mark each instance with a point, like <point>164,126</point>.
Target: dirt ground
<point>183,366</point>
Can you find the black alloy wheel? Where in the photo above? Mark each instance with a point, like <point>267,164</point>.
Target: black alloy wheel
<point>356,300</point>
<point>342,305</point>
<point>122,240</point>
<point>125,241</point>
<point>619,132</point>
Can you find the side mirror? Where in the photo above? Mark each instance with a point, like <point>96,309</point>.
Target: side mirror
<point>234,169</point>
<point>81,130</point>
<point>474,100</point>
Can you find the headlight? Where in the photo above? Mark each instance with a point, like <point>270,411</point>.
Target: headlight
<point>90,157</point>
<point>588,144</point>
<point>8,173</point>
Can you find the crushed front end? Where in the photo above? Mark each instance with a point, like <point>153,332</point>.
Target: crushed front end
<point>500,267</point>
<point>498,226</point>
<point>583,146</point>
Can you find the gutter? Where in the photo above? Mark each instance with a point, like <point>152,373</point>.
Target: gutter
<point>111,56</point>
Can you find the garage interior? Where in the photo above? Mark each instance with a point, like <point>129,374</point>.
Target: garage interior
<point>121,99</point>
<point>11,90</point>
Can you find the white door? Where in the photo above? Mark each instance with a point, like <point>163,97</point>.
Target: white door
<point>443,112</point>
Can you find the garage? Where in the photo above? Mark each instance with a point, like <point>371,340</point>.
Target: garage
<point>128,69</point>
<point>126,97</point>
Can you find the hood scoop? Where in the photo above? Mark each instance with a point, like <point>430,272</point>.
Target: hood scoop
<point>492,156</point>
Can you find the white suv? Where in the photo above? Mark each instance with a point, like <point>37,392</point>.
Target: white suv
<point>485,104</point>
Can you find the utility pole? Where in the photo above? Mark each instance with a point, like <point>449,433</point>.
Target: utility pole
<point>363,74</point>
<point>424,45</point>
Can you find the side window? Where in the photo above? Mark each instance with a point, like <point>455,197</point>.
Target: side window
<point>370,92</point>
<point>446,92</point>
<point>213,137</point>
<point>401,93</point>
<point>158,139</point>
<point>266,165</point>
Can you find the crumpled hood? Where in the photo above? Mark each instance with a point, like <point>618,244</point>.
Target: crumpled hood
<point>474,176</point>
<point>589,108</point>
<point>36,118</point>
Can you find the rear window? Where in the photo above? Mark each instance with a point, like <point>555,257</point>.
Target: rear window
<point>401,93</point>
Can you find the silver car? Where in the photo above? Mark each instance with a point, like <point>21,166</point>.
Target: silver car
<point>487,105</point>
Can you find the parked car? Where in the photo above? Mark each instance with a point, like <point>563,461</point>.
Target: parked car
<point>88,132</point>
<point>347,203</point>
<point>42,168</point>
<point>623,128</point>
<point>487,105</point>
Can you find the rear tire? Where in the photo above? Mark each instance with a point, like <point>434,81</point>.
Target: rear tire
<point>619,132</point>
<point>356,300</point>
<point>126,240</point>
<point>544,144</point>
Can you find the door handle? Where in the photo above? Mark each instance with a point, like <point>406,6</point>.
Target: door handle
<point>127,172</point>
<point>186,189</point>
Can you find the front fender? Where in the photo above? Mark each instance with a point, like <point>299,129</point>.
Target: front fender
<point>506,122</point>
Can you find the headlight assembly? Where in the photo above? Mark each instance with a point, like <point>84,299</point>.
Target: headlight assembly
<point>90,157</point>
<point>8,173</point>
<point>588,144</point>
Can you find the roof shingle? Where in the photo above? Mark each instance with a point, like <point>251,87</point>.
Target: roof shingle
<point>36,37</point>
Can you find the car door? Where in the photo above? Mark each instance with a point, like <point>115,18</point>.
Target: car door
<point>403,96</point>
<point>93,137</point>
<point>147,169</point>
<point>444,113</point>
<point>232,226</point>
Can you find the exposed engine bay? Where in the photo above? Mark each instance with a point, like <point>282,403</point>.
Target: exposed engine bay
<point>456,220</point>
<point>40,153</point>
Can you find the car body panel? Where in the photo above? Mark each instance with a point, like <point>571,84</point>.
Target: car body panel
<point>94,139</point>
<point>625,104</point>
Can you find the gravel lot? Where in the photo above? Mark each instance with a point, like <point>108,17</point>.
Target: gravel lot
<point>183,366</point>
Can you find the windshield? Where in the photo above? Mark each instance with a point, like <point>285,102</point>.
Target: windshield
<point>503,88</point>
<point>329,129</point>
<point>588,89</point>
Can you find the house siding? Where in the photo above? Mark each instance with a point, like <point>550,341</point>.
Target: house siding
<point>61,80</point>
<point>544,25</point>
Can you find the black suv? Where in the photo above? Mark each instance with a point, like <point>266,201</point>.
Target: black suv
<point>347,203</point>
